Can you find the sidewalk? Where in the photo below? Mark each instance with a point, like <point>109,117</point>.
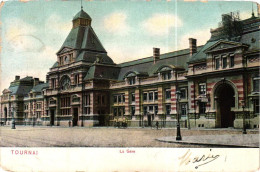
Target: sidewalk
<point>236,140</point>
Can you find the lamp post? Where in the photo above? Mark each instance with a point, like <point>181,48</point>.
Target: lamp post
<point>13,121</point>
<point>178,137</point>
<point>244,126</point>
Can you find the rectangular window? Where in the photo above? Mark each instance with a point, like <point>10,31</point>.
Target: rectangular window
<point>183,109</point>
<point>145,97</point>
<point>150,96</point>
<point>123,97</point>
<point>53,82</point>
<point>168,94</point>
<point>256,84</point>
<point>87,98</point>
<point>168,109</point>
<point>119,111</point>
<point>115,112</point>
<point>151,109</point>
<point>119,99</point>
<point>183,93</point>
<point>133,97</point>
<point>123,111</point>
<point>232,61</point>
<point>224,62</point>
<point>202,107</point>
<point>132,110</point>
<point>256,106</point>
<point>145,110</point>
<point>155,95</point>
<point>115,99</point>
<point>87,110</point>
<point>202,88</point>
<point>155,109</point>
<point>217,63</point>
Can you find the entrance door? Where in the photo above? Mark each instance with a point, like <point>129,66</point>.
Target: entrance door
<point>52,116</point>
<point>5,117</point>
<point>149,120</point>
<point>75,116</point>
<point>226,100</point>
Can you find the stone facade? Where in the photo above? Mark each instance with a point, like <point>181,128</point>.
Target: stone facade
<point>210,86</point>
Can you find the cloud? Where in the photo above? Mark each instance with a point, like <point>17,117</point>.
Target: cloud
<point>122,54</point>
<point>56,25</point>
<point>20,36</point>
<point>202,37</point>
<point>245,15</point>
<point>116,23</point>
<point>160,24</point>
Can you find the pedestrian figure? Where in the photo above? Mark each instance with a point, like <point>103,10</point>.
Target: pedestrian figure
<point>157,124</point>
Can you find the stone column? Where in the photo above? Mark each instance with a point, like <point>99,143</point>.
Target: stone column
<point>127,103</point>
<point>160,100</point>
<point>173,100</point>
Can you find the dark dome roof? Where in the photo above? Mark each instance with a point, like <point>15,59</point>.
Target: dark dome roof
<point>82,14</point>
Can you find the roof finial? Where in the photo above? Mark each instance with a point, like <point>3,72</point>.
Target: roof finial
<point>81,5</point>
<point>253,14</point>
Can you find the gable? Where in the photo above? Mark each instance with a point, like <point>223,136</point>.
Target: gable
<point>222,45</point>
<point>64,50</point>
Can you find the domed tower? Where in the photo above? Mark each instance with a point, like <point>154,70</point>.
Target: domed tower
<point>82,61</point>
<point>81,19</point>
<point>82,44</point>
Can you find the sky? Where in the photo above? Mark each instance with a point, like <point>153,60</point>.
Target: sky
<point>33,31</point>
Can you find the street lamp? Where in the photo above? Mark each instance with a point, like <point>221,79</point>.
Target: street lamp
<point>178,137</point>
<point>13,121</point>
<point>244,126</point>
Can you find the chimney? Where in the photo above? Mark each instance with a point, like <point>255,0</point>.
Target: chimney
<point>156,54</point>
<point>17,78</point>
<point>35,81</point>
<point>193,46</point>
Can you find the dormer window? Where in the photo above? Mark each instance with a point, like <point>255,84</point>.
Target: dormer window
<point>165,72</point>
<point>224,62</point>
<point>217,63</point>
<point>166,75</point>
<point>131,80</point>
<point>232,61</point>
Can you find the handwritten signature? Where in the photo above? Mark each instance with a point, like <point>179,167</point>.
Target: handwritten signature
<point>204,159</point>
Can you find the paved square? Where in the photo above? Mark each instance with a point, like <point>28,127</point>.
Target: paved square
<point>28,136</point>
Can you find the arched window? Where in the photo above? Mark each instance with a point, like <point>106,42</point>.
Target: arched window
<point>131,78</point>
<point>166,73</point>
<point>65,83</point>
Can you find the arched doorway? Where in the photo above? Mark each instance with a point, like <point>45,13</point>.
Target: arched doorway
<point>5,115</point>
<point>225,99</point>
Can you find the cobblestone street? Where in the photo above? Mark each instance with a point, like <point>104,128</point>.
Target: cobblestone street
<point>28,136</point>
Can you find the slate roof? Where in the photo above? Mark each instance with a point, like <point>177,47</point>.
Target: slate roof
<point>245,38</point>
<point>86,42</point>
<point>82,14</point>
<point>89,56</point>
<point>40,87</point>
<point>200,55</point>
<point>177,59</point>
<point>20,90</point>
<point>99,71</point>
